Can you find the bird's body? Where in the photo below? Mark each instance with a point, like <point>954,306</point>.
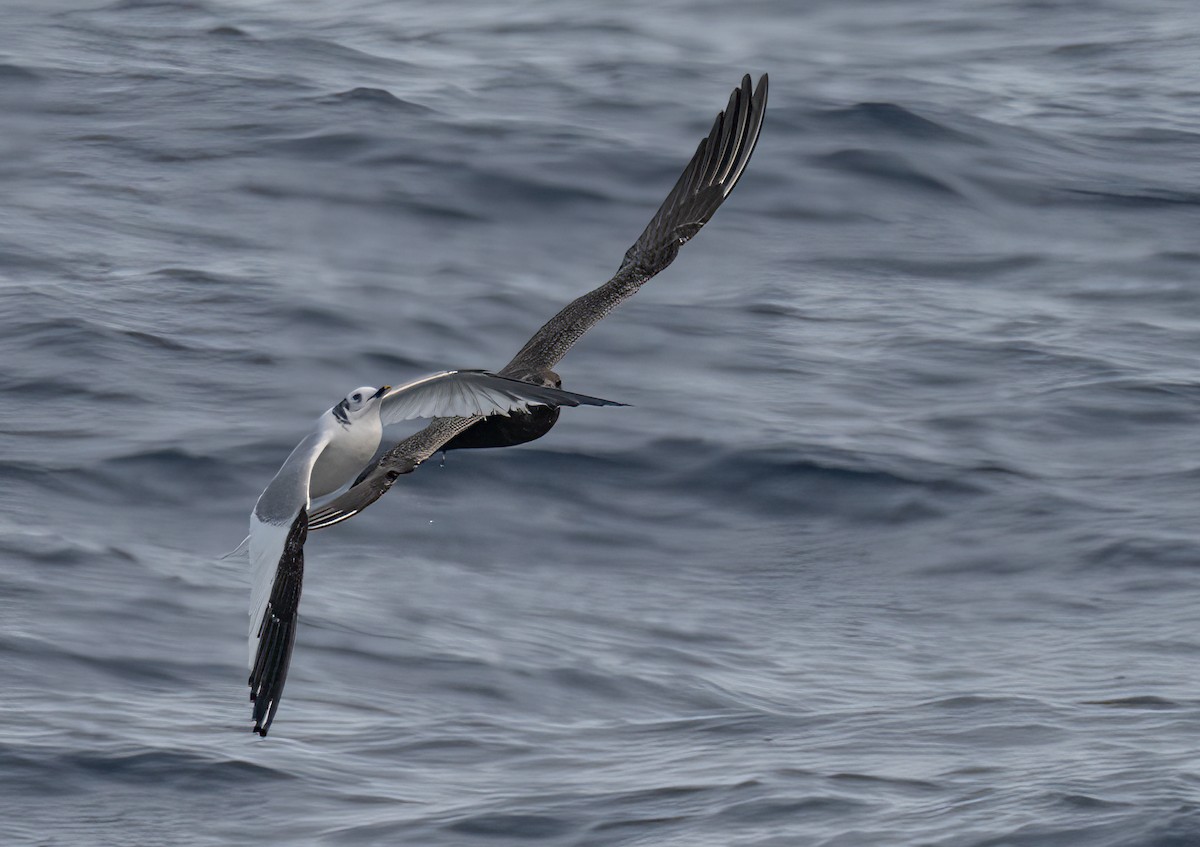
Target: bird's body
<point>346,454</point>
<point>500,431</point>
<point>520,427</point>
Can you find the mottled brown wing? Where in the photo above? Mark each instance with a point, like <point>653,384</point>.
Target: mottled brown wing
<point>709,177</point>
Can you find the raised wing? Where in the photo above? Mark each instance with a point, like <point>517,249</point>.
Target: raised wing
<point>709,177</point>
<point>278,529</point>
<point>707,180</point>
<point>468,393</point>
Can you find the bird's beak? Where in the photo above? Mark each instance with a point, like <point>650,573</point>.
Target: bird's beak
<point>380,392</point>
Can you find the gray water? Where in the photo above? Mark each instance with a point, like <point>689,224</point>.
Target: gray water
<point>897,544</point>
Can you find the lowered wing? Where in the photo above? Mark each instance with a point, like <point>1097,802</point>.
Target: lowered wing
<point>278,529</point>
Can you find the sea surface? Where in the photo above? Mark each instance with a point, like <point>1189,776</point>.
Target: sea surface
<point>898,543</point>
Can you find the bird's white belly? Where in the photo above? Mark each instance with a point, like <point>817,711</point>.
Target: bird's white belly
<point>343,459</point>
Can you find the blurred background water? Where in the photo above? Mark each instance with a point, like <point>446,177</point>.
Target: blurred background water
<point>897,545</point>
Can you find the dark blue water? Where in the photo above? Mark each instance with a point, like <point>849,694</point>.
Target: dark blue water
<point>898,544</point>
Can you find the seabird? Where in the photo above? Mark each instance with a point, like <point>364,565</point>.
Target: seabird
<point>709,177</point>
<point>340,444</point>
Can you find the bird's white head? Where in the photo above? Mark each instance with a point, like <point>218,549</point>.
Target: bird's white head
<point>358,403</point>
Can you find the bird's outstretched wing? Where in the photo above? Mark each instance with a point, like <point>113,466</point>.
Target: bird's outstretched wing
<point>374,482</point>
<point>711,174</point>
<point>709,177</point>
<point>467,393</point>
<point>278,529</point>
<point>275,634</point>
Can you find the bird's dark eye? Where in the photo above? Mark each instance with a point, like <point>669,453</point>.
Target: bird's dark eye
<point>357,398</point>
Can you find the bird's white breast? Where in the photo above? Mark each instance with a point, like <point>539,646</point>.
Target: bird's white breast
<point>345,456</point>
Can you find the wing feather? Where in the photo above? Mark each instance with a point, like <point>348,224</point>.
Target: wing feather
<point>714,169</point>
<point>278,529</point>
<point>277,629</point>
<point>449,394</point>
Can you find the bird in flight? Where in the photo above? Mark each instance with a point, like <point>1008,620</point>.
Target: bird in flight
<point>709,177</point>
<point>340,444</point>
<point>471,409</point>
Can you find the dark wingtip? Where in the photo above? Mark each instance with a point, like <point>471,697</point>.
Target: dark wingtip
<point>277,632</point>
<point>710,176</point>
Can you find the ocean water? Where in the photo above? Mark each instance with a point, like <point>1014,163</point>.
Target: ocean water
<point>897,544</point>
